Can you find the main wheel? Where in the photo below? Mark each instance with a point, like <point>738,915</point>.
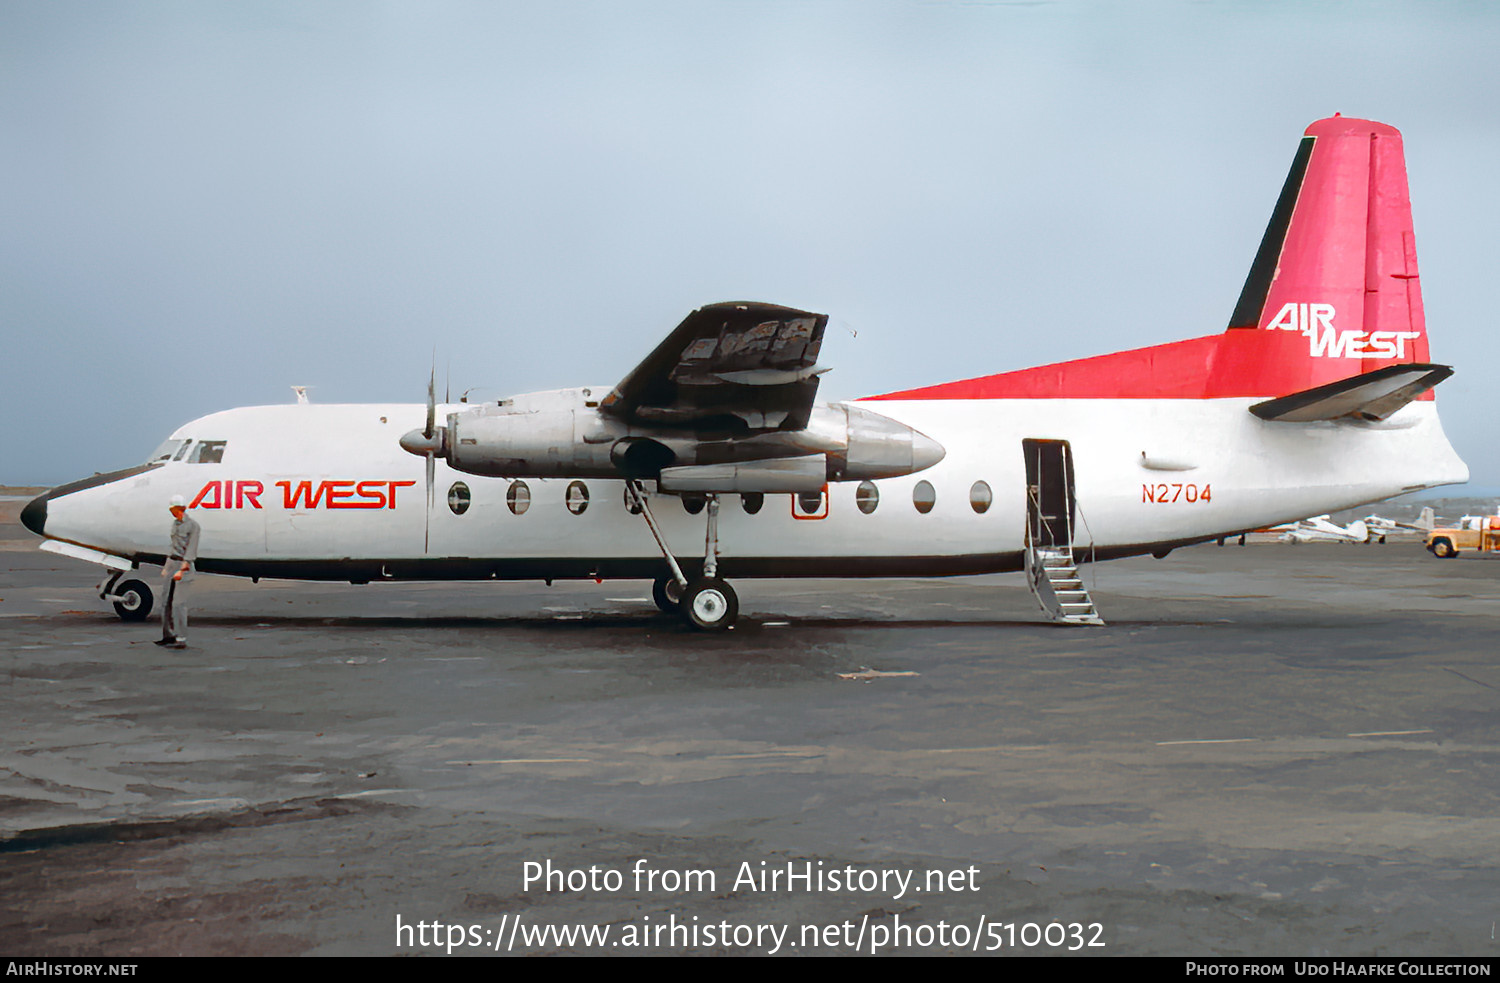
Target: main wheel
<point>134,602</point>
<point>1443,549</point>
<point>709,604</point>
<point>667,595</point>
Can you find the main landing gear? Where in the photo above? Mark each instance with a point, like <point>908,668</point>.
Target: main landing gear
<point>707,602</point>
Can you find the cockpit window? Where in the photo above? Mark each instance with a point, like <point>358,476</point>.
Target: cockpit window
<point>208,452</point>
<point>167,451</point>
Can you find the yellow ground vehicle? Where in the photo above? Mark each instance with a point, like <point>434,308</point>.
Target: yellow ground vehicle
<point>1474,532</point>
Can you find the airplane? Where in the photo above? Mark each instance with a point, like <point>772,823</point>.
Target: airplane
<point>1380,527</point>
<point>1322,529</point>
<point>712,458</point>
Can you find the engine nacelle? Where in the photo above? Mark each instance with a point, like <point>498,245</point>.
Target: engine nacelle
<point>876,446</point>
<point>563,434</point>
<point>543,443</point>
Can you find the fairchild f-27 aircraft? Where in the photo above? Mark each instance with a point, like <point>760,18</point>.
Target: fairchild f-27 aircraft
<point>712,459</point>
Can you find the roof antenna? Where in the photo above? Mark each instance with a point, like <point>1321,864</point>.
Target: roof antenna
<point>301,392</point>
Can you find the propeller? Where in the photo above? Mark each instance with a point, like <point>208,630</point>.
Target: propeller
<point>429,442</point>
<point>429,432</point>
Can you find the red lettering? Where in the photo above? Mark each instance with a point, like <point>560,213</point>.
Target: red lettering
<point>342,494</point>
<point>304,493</point>
<point>1167,494</point>
<point>203,501</point>
<point>337,492</point>
<point>373,492</point>
<point>247,491</point>
<point>398,484</point>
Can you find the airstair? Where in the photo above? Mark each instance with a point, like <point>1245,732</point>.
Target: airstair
<point>1053,575</point>
<point>1051,567</point>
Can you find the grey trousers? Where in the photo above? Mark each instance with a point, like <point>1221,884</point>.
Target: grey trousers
<point>174,610</point>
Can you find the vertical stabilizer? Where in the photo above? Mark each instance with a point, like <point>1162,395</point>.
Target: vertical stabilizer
<point>1335,278</point>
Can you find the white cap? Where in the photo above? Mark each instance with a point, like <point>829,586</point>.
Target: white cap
<point>178,502</point>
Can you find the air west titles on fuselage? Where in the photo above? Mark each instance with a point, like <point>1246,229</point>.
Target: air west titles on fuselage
<point>301,495</point>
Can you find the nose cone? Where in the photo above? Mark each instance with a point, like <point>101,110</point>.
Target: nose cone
<point>925,452</point>
<point>34,515</point>
<point>418,443</point>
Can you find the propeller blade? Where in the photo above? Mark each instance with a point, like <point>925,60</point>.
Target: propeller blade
<point>431,404</point>
<point>427,521</point>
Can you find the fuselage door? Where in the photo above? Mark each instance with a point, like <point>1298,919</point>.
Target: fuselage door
<point>1049,492</point>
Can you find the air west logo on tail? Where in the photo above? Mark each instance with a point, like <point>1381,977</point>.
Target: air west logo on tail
<point>1325,341</point>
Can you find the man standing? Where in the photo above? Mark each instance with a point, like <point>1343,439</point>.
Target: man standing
<point>178,572</point>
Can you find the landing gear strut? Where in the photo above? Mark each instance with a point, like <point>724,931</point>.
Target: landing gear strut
<point>707,602</point>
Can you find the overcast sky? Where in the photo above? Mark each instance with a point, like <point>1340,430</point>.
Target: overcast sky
<point>205,203</point>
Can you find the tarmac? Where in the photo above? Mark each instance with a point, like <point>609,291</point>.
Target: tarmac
<point>1269,750</point>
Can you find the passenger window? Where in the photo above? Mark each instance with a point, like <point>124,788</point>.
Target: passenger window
<point>518,497</point>
<point>208,452</point>
<point>924,497</point>
<point>694,503</point>
<point>751,502</point>
<point>810,505</point>
<point>578,497</point>
<point>458,498</point>
<point>980,497</point>
<point>867,497</point>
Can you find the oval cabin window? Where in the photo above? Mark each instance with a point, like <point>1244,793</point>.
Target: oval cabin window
<point>980,497</point>
<point>459,498</point>
<point>518,497</point>
<point>578,497</point>
<point>924,497</point>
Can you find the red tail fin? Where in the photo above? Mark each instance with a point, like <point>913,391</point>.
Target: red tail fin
<point>1333,292</point>
<point>1336,274</point>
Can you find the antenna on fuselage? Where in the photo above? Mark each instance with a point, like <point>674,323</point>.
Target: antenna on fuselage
<point>301,392</point>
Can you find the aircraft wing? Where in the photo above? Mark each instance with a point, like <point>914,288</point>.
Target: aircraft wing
<point>738,368</point>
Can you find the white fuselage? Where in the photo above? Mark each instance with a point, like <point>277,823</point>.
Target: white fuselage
<point>326,492</point>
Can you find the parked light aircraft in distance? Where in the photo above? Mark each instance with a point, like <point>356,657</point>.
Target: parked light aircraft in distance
<point>712,459</point>
<point>1322,529</point>
<point>1370,529</point>
<point>1380,527</point>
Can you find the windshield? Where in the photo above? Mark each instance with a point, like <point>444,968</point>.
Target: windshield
<point>166,451</point>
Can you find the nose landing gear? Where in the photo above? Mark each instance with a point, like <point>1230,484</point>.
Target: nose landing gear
<point>132,598</point>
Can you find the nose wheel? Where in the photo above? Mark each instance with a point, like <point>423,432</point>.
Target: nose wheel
<point>132,598</point>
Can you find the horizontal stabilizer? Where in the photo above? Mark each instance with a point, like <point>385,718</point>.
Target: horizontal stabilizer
<point>1370,396</point>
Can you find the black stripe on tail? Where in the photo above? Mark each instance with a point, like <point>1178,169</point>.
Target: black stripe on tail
<point>1258,284</point>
